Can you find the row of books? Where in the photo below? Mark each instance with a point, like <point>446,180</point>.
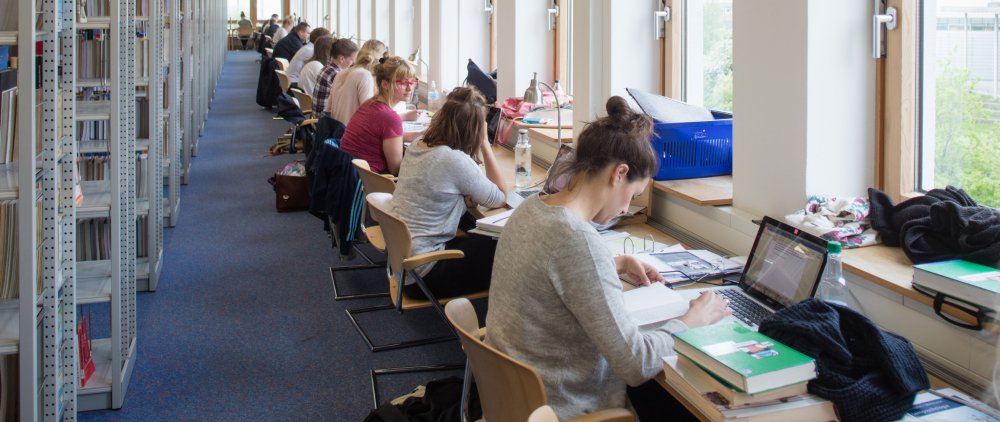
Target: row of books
<point>9,252</point>
<point>8,115</point>
<point>9,395</point>
<point>95,167</point>
<point>93,238</point>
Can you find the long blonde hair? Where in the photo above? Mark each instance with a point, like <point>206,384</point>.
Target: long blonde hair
<point>370,52</point>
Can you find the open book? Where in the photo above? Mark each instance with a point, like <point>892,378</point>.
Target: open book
<point>654,303</point>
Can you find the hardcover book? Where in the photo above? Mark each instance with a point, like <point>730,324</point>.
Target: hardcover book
<point>970,282</point>
<point>749,361</point>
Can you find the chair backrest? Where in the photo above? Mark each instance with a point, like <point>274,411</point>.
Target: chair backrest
<point>245,31</point>
<point>373,182</point>
<point>398,242</point>
<point>283,79</point>
<point>305,100</point>
<point>282,63</point>
<point>543,414</point>
<point>508,390</point>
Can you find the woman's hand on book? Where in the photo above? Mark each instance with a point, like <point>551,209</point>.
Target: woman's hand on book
<point>707,309</point>
<point>637,270</point>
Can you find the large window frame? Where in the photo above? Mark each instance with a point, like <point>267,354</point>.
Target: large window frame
<point>897,104</point>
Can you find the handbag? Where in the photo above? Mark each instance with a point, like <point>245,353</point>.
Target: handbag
<point>291,192</point>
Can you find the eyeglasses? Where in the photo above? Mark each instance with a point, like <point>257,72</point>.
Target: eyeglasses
<point>403,83</point>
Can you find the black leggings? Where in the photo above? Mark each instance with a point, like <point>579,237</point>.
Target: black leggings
<point>456,277</point>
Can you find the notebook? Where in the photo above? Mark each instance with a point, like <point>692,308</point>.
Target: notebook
<point>563,157</point>
<point>784,268</point>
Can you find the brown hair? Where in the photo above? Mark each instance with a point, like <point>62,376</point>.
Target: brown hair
<point>302,26</point>
<point>391,69</point>
<point>460,123</point>
<point>344,47</point>
<point>620,138</point>
<point>321,52</point>
<point>318,33</point>
<point>286,22</point>
<point>370,52</point>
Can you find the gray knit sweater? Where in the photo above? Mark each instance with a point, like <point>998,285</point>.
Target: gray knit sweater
<point>556,305</point>
<point>430,195</point>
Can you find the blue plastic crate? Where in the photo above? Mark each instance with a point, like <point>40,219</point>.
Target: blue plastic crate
<point>694,149</point>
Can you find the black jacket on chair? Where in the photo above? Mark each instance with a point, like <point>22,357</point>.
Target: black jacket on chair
<point>268,87</point>
<point>336,193</point>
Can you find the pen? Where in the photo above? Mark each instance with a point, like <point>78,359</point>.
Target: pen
<point>975,405</point>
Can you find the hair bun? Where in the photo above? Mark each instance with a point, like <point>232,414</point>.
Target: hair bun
<point>619,109</point>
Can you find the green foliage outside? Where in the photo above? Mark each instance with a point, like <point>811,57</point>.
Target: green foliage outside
<point>966,137</point>
<point>718,61</point>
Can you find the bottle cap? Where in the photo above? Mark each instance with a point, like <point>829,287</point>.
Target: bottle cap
<point>833,247</point>
<point>522,131</point>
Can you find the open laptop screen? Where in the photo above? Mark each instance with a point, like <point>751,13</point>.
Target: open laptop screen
<point>784,266</point>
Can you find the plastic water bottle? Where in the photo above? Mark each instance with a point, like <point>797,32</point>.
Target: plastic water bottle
<point>522,160</point>
<point>832,286</point>
<point>557,87</point>
<point>432,97</point>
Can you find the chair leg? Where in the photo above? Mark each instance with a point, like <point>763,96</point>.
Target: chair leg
<point>351,313</point>
<point>371,265</point>
<point>407,370</point>
<point>466,391</point>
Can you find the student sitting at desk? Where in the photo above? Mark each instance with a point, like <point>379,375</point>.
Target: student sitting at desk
<point>556,299</point>
<point>320,58</point>
<point>356,85</point>
<point>344,53</point>
<point>438,173</point>
<point>375,133</point>
<point>305,54</point>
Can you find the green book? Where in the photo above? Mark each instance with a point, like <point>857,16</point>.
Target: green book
<point>970,282</point>
<point>749,361</point>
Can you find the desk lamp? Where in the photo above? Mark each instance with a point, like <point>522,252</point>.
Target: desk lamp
<point>533,95</point>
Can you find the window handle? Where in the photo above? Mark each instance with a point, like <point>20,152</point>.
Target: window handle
<point>660,19</point>
<point>552,12</point>
<point>489,6</point>
<point>889,19</point>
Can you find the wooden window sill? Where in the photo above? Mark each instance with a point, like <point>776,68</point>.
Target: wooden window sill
<point>705,191</point>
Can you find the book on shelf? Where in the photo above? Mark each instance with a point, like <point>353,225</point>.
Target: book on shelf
<point>749,361</point>
<point>654,303</point>
<point>83,342</point>
<point>948,405</point>
<point>684,380</point>
<point>970,282</point>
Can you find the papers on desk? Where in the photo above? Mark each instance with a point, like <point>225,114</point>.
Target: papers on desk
<point>418,125</point>
<point>654,303</point>
<point>681,267</point>
<point>493,224</point>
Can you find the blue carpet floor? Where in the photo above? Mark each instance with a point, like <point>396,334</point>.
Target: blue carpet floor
<point>243,325</point>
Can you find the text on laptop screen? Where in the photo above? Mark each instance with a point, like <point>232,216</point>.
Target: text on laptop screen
<point>784,267</point>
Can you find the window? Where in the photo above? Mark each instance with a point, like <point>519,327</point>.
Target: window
<point>708,59</point>
<point>266,8</point>
<point>958,126</point>
<point>564,46</point>
<point>234,7</point>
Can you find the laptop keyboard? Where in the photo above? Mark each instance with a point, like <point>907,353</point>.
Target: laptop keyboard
<point>526,193</point>
<point>744,308</point>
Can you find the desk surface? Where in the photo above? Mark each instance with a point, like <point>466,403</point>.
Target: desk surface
<point>567,119</point>
<point>550,135</point>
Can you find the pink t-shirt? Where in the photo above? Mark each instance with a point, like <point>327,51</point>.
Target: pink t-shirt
<point>373,123</point>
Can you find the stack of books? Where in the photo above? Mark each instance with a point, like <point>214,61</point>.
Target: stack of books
<point>492,225</point>
<point>728,372</point>
<point>977,285</point>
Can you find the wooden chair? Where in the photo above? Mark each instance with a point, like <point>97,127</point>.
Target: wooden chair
<point>402,262</point>
<point>508,390</point>
<point>305,101</point>
<point>546,414</point>
<point>269,52</point>
<point>244,34</point>
<point>371,182</point>
<point>284,80</point>
<point>282,64</point>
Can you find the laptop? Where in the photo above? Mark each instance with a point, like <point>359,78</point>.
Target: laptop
<point>563,157</point>
<point>784,268</point>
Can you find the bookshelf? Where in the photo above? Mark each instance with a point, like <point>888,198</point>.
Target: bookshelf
<point>116,204</point>
<point>37,286</point>
<point>172,137</point>
<point>149,87</point>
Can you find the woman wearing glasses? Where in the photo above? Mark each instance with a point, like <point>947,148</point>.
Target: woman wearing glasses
<point>438,173</point>
<point>375,132</point>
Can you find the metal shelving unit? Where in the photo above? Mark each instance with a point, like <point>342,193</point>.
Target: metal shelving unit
<point>172,156</point>
<point>114,280</point>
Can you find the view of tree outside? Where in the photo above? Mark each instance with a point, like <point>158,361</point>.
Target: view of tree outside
<point>960,140</point>
<point>718,54</point>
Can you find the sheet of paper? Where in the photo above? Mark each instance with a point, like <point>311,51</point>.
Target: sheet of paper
<point>654,303</point>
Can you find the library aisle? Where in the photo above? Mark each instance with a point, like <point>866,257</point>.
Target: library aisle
<point>243,325</point>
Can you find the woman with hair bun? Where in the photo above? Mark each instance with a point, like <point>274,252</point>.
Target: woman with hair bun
<point>375,133</point>
<point>552,264</point>
<point>438,173</point>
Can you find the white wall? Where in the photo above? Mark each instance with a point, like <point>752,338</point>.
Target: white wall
<point>402,28</point>
<point>381,19</point>
<point>444,35</point>
<point>364,19</point>
<point>474,37</point>
<point>803,101</point>
<point>524,45</point>
<point>344,27</point>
